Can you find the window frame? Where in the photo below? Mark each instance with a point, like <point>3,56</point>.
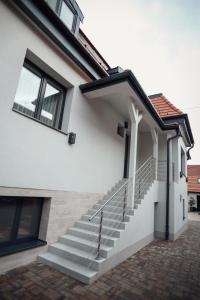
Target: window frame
<point>183,164</point>
<point>57,123</point>
<point>58,11</point>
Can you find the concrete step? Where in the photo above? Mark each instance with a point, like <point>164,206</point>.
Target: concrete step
<point>92,236</point>
<point>110,215</point>
<point>66,266</point>
<point>75,255</point>
<point>113,232</point>
<point>85,245</point>
<point>116,203</point>
<point>107,222</point>
<point>114,209</point>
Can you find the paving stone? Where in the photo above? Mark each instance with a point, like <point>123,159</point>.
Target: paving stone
<point>163,270</point>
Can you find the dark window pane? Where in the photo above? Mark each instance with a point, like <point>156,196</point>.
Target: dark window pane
<point>7,215</point>
<point>27,92</point>
<point>50,103</point>
<point>66,15</point>
<point>29,218</point>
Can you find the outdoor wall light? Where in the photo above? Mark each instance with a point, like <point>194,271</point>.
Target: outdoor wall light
<point>72,138</point>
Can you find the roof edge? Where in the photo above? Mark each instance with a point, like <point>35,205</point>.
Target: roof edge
<point>135,85</point>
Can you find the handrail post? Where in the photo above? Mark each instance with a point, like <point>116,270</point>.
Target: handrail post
<point>99,239</point>
<point>125,200</point>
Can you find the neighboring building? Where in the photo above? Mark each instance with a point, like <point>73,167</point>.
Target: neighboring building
<point>194,187</point>
<point>81,142</point>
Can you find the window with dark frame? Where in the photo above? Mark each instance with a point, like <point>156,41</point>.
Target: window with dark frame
<point>182,162</point>
<point>40,97</point>
<point>65,11</point>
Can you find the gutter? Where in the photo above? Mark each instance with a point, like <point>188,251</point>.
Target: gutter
<point>188,152</point>
<point>128,76</point>
<point>178,134</point>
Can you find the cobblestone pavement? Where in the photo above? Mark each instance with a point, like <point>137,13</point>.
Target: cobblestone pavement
<point>162,270</point>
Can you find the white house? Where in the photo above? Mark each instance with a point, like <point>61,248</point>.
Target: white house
<point>194,187</point>
<point>91,168</point>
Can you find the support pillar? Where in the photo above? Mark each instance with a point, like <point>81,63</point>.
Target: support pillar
<point>136,117</point>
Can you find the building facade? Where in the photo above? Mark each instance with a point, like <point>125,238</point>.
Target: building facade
<point>79,139</point>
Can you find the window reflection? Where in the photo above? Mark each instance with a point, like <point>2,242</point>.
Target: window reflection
<point>27,92</point>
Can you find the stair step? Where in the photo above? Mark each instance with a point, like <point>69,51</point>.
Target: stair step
<point>85,245</point>
<point>117,203</point>
<point>92,236</point>
<point>114,209</point>
<point>113,232</point>
<point>66,266</point>
<point>75,255</point>
<point>108,222</point>
<point>110,215</point>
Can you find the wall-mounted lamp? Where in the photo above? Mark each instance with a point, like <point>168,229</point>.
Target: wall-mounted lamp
<point>72,138</point>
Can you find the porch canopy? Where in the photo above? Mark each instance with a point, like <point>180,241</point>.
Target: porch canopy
<point>122,89</point>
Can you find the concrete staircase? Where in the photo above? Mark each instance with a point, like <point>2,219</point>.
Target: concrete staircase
<point>75,252</point>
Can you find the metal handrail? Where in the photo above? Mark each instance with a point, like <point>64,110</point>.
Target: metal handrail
<point>101,208</point>
<point>101,211</point>
<point>148,159</point>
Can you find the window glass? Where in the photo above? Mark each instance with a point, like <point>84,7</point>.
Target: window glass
<point>29,218</point>
<point>27,92</point>
<point>7,216</point>
<point>52,4</point>
<point>183,162</point>
<point>66,15</point>
<point>50,104</point>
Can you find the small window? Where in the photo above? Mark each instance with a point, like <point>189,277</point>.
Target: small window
<point>183,162</point>
<point>198,180</point>
<point>39,97</point>
<point>66,15</point>
<point>65,11</point>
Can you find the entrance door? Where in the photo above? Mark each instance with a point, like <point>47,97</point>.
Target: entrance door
<point>127,156</point>
<point>198,203</point>
<point>19,219</point>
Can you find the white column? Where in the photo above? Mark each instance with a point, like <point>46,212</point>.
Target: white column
<point>155,150</point>
<point>136,117</point>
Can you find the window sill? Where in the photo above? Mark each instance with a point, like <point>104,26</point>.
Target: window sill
<point>11,249</point>
<point>38,121</point>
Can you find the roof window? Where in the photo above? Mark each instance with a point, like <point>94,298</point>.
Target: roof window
<point>69,12</point>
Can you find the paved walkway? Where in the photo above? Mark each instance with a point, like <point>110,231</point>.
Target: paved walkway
<point>162,270</point>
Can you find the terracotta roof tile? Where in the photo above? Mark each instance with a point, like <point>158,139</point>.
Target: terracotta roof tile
<point>193,176</point>
<point>163,106</point>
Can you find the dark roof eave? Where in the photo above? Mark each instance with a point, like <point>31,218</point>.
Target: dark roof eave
<point>185,117</point>
<point>51,15</point>
<point>133,82</point>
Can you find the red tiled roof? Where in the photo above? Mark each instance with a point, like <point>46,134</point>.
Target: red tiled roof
<point>193,176</point>
<point>164,107</point>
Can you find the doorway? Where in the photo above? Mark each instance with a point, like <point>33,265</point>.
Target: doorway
<point>127,155</point>
<point>198,203</point>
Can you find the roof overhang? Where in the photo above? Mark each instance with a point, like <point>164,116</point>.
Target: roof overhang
<point>184,121</point>
<point>121,88</point>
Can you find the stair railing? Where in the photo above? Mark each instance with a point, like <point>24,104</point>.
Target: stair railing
<point>122,194</point>
<point>145,175</point>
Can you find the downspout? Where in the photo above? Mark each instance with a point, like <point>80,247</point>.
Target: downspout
<point>178,134</point>
<point>188,152</point>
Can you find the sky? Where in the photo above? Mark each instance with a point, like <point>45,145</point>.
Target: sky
<point>159,40</point>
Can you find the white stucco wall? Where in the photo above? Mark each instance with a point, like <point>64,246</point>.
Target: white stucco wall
<point>179,190</point>
<point>34,156</point>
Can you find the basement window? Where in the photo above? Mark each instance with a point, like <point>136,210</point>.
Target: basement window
<point>19,224</point>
